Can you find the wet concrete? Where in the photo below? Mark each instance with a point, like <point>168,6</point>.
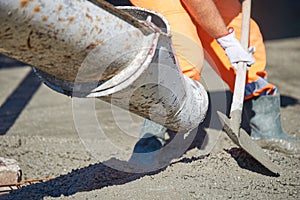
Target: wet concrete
<point>45,139</point>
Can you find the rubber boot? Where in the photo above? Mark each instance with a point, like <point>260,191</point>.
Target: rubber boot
<point>146,150</point>
<point>263,113</point>
<point>152,137</point>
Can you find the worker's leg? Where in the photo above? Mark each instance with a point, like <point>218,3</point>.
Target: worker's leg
<point>262,105</point>
<point>146,150</point>
<point>188,51</point>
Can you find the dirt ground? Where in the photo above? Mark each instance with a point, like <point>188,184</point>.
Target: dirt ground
<point>40,130</point>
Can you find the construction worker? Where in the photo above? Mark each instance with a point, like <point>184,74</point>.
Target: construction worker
<point>214,28</point>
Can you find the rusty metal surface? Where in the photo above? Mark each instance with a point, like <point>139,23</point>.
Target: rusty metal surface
<point>8,187</point>
<point>83,50</point>
<point>56,36</point>
<point>158,90</point>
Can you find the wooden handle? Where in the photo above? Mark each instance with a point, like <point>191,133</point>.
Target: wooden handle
<point>239,86</point>
<point>246,10</point>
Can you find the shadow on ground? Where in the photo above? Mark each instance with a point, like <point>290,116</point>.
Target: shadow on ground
<point>277,19</point>
<point>7,62</point>
<point>245,161</point>
<point>17,101</point>
<point>93,177</point>
<point>101,175</point>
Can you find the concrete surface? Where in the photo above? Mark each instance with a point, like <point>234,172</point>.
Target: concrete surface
<point>38,129</point>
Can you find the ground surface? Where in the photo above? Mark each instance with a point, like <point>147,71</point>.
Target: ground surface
<point>38,129</point>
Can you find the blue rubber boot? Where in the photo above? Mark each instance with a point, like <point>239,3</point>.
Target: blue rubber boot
<point>146,150</point>
<point>263,113</point>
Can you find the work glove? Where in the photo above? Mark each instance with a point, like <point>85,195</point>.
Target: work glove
<point>234,50</point>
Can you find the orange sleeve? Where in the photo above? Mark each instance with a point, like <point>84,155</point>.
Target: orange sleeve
<point>185,39</point>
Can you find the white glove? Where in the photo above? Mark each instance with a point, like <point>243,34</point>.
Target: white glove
<point>234,50</point>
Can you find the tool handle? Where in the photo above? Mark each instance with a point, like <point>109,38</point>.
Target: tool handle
<point>240,80</point>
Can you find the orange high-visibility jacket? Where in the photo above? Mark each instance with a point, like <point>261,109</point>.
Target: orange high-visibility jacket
<point>191,42</point>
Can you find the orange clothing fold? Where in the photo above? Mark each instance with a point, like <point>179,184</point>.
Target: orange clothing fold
<point>192,43</point>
